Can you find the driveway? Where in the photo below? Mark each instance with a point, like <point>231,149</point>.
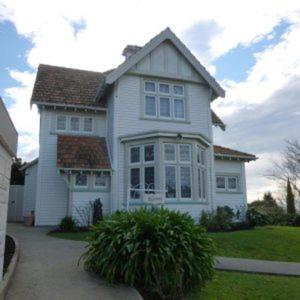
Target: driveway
<point>47,269</point>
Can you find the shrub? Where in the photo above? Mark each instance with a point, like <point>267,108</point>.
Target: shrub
<point>67,224</point>
<point>256,218</point>
<point>220,220</point>
<point>296,220</point>
<point>160,252</point>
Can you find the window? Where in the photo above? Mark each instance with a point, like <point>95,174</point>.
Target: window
<point>178,109</point>
<point>74,124</point>
<point>178,176</point>
<point>61,123</point>
<point>81,180</point>
<point>150,103</point>
<point>88,124</point>
<point>142,169</point>
<point>101,180</point>
<point>227,183</point>
<point>164,100</point>
<point>201,162</point>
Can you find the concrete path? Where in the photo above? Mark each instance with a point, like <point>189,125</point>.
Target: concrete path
<point>258,266</point>
<point>48,269</point>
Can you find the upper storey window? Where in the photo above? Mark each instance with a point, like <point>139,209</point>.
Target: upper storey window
<point>75,124</point>
<point>164,101</point>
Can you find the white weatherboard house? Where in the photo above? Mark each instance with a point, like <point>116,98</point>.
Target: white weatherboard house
<point>8,149</point>
<point>144,127</point>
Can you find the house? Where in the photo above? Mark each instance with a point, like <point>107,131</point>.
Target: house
<point>8,150</point>
<point>142,128</point>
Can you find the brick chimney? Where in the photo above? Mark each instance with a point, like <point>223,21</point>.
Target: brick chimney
<point>129,50</point>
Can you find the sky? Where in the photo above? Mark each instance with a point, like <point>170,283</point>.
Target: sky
<point>251,47</point>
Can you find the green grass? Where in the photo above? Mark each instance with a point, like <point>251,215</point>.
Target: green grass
<point>75,236</point>
<point>270,243</point>
<point>237,286</point>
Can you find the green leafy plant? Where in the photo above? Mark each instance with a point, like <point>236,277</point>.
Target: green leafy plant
<point>160,252</point>
<point>67,224</point>
<point>257,218</point>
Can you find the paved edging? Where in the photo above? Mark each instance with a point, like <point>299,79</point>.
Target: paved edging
<point>258,266</point>
<point>4,284</point>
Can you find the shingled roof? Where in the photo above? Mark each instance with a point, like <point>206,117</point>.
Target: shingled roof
<point>58,85</point>
<point>82,152</point>
<point>227,152</point>
<point>217,121</point>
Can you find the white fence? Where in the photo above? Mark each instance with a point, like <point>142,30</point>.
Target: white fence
<point>15,203</point>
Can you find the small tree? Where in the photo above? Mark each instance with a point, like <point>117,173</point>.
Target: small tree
<point>290,200</point>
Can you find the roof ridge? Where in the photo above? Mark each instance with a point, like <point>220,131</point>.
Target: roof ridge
<point>72,69</point>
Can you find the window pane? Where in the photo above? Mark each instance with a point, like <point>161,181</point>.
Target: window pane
<point>164,88</point>
<point>61,123</point>
<point>178,89</point>
<point>185,181</point>
<point>179,109</point>
<point>150,106</point>
<point>220,181</point>
<point>135,154</point>
<point>203,178</point>
<point>169,152</point>
<point>199,183</point>
<point>149,152</point>
<point>149,86</point>
<point>185,152</point>
<point>170,178</point>
<point>81,180</point>
<point>88,124</point>
<point>74,124</point>
<point>165,110</point>
<point>149,178</point>
<point>232,183</point>
<point>135,182</point>
<point>100,180</point>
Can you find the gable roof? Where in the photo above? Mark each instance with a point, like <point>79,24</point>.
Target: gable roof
<point>224,152</point>
<point>59,85</point>
<point>82,152</point>
<point>166,34</point>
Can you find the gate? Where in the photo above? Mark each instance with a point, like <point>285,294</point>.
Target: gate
<point>15,203</point>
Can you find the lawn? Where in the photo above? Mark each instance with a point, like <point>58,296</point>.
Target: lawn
<point>75,236</point>
<point>270,243</point>
<point>233,285</point>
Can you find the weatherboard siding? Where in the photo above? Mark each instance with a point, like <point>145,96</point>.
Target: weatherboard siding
<point>30,189</point>
<point>235,200</point>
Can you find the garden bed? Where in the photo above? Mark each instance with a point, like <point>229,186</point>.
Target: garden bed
<point>9,251</point>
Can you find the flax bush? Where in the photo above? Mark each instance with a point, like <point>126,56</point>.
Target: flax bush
<point>160,252</point>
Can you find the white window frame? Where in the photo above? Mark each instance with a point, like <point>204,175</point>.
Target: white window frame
<point>79,121</point>
<point>171,96</point>
<point>221,189</point>
<point>66,123</point>
<point>81,186</point>
<point>227,189</point>
<point>237,184</point>
<point>201,168</point>
<point>92,125</point>
<point>100,186</point>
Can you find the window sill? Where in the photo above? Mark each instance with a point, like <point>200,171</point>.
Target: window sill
<point>229,192</point>
<point>165,120</point>
<point>171,202</point>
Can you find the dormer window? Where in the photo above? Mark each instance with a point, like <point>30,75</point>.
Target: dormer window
<point>163,100</point>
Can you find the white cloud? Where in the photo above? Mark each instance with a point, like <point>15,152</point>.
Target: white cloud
<point>91,35</point>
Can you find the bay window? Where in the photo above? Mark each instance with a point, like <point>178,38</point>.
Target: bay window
<point>164,100</point>
<point>201,172</point>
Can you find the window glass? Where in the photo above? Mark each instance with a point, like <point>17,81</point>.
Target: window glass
<point>169,152</point>
<point>185,182</point>
<point>203,181</point>
<point>100,180</point>
<point>150,106</point>
<point>88,124</point>
<point>149,86</point>
<point>170,179</point>
<point>149,178</point>
<point>201,156</point>
<point>185,153</point>
<point>81,180</point>
<point>232,183</point>
<point>135,154</point>
<point>135,182</point>
<point>74,123</point>
<point>164,88</point>
<point>178,108</point>
<point>149,153</point>
<point>165,107</point>
<point>220,181</point>
<point>61,123</point>
<point>178,89</point>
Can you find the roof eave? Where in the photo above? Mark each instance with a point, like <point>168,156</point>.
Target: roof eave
<point>236,157</point>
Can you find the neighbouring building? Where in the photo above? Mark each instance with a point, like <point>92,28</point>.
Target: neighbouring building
<point>8,150</point>
<point>145,127</point>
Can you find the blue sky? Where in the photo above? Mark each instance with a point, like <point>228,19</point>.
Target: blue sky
<point>251,47</point>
